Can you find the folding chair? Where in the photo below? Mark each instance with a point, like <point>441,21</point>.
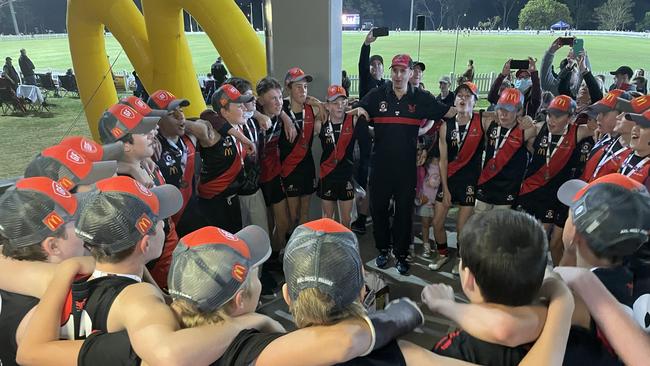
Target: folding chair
<point>47,84</point>
<point>10,102</point>
<point>69,84</point>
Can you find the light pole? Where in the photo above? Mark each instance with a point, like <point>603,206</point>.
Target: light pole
<point>456,49</point>
<point>411,19</point>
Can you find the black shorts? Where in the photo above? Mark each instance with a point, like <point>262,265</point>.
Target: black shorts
<point>222,211</point>
<point>462,193</point>
<point>273,191</point>
<point>301,182</point>
<point>330,190</point>
<point>545,208</point>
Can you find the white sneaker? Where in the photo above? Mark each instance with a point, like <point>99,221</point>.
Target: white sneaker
<point>454,270</point>
<point>426,253</point>
<point>438,262</point>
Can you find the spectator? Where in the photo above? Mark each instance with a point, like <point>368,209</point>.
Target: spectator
<point>139,91</point>
<point>26,68</point>
<point>527,81</point>
<point>346,83</point>
<point>371,68</point>
<point>418,74</point>
<point>10,73</point>
<point>622,78</point>
<point>641,84</point>
<point>446,96</point>
<point>468,75</point>
<point>590,90</point>
<point>549,80</point>
<point>219,72</point>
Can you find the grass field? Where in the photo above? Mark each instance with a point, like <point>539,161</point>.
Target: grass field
<point>24,137</point>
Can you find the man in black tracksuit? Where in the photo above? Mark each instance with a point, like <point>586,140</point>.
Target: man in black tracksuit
<point>397,110</point>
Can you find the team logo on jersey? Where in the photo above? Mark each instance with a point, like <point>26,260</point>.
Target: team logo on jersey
<point>493,134</point>
<point>53,221</point>
<point>239,272</point>
<point>549,214</point>
<point>348,185</point>
<point>227,142</point>
<point>586,148</point>
<point>411,108</point>
<point>469,191</point>
<point>510,198</point>
<point>397,113</point>
<point>383,106</point>
<point>544,142</point>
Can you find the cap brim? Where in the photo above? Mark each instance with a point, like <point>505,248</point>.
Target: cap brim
<point>569,189</point>
<point>177,103</point>
<point>421,64</point>
<point>157,113</point>
<point>557,112</point>
<point>400,65</point>
<point>169,198</point>
<point>100,170</point>
<point>463,86</point>
<point>147,125</point>
<point>113,151</point>
<point>590,112</point>
<point>600,108</point>
<point>244,99</point>
<point>444,81</point>
<point>638,119</point>
<point>258,243</point>
<point>507,107</point>
<point>308,78</point>
<point>336,96</point>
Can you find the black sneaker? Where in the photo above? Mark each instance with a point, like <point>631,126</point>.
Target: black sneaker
<point>382,259</point>
<point>403,267</point>
<point>358,226</point>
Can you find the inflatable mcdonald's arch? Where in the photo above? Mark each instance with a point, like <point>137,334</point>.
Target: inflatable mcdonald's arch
<point>156,46</point>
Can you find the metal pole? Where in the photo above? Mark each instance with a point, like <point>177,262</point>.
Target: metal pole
<point>268,31</point>
<point>456,49</point>
<point>411,21</point>
<point>250,6</point>
<point>13,16</point>
<point>419,42</point>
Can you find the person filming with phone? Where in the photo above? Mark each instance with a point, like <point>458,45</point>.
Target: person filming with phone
<point>550,81</point>
<point>527,81</point>
<point>371,68</point>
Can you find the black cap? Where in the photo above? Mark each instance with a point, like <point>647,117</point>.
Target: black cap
<point>419,64</point>
<point>623,70</point>
<point>378,58</point>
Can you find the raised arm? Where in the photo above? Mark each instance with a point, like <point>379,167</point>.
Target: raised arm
<point>364,64</point>
<point>493,95</point>
<point>203,132</point>
<point>624,334</point>
<point>536,91</point>
<point>548,81</point>
<point>550,346</point>
<point>490,322</point>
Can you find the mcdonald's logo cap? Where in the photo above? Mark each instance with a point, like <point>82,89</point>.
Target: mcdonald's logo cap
<point>120,120</point>
<point>130,209</point>
<point>610,101</point>
<point>162,99</point>
<point>70,167</point>
<point>295,74</point>
<point>643,119</point>
<point>469,86</point>
<point>141,107</point>
<point>227,94</point>
<point>561,105</point>
<point>33,209</point>
<point>637,105</point>
<point>94,151</point>
<point>335,91</point>
<point>511,99</point>
<point>210,265</point>
<point>402,60</point>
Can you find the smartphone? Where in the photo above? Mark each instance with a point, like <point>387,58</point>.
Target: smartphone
<point>380,32</point>
<point>567,41</point>
<point>520,64</point>
<point>578,46</point>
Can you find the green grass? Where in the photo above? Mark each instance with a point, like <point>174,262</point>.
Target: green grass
<point>24,137</point>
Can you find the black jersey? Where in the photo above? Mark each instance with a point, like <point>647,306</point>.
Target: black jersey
<point>252,168</point>
<point>13,308</point>
<point>221,171</point>
<point>462,346</point>
<point>107,349</point>
<point>469,136</point>
<point>330,136</point>
<point>306,165</point>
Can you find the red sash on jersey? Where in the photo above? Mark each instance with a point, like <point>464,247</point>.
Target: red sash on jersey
<point>612,166</point>
<point>510,147</point>
<point>473,139</point>
<point>558,162</point>
<point>347,131</point>
<point>301,146</point>
<point>641,175</point>
<point>187,187</point>
<point>270,160</point>
<point>212,188</point>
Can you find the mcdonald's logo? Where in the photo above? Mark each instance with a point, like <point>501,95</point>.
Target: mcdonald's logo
<point>116,132</point>
<point>66,183</point>
<point>561,102</point>
<point>513,97</point>
<point>147,41</point>
<point>227,151</point>
<point>239,272</point>
<point>53,221</point>
<point>144,224</point>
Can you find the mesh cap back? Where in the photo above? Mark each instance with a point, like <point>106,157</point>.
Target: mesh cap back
<point>33,209</point>
<point>323,254</point>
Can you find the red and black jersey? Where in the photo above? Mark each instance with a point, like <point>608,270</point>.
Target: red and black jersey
<point>13,308</point>
<point>606,159</point>
<point>636,167</point>
<point>397,122</point>
<point>297,155</point>
<point>252,163</point>
<point>465,148</point>
<point>177,166</point>
<point>222,171</point>
<point>462,346</point>
<point>504,166</point>
<point>270,154</point>
<point>337,140</point>
<point>553,162</point>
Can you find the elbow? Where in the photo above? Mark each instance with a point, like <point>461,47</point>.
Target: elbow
<point>168,356</point>
<point>24,356</point>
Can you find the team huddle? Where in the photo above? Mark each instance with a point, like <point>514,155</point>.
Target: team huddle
<point>188,222</point>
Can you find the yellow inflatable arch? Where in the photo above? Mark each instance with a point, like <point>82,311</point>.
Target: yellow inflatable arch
<point>157,47</point>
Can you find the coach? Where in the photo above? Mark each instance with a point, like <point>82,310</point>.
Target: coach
<point>396,111</point>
